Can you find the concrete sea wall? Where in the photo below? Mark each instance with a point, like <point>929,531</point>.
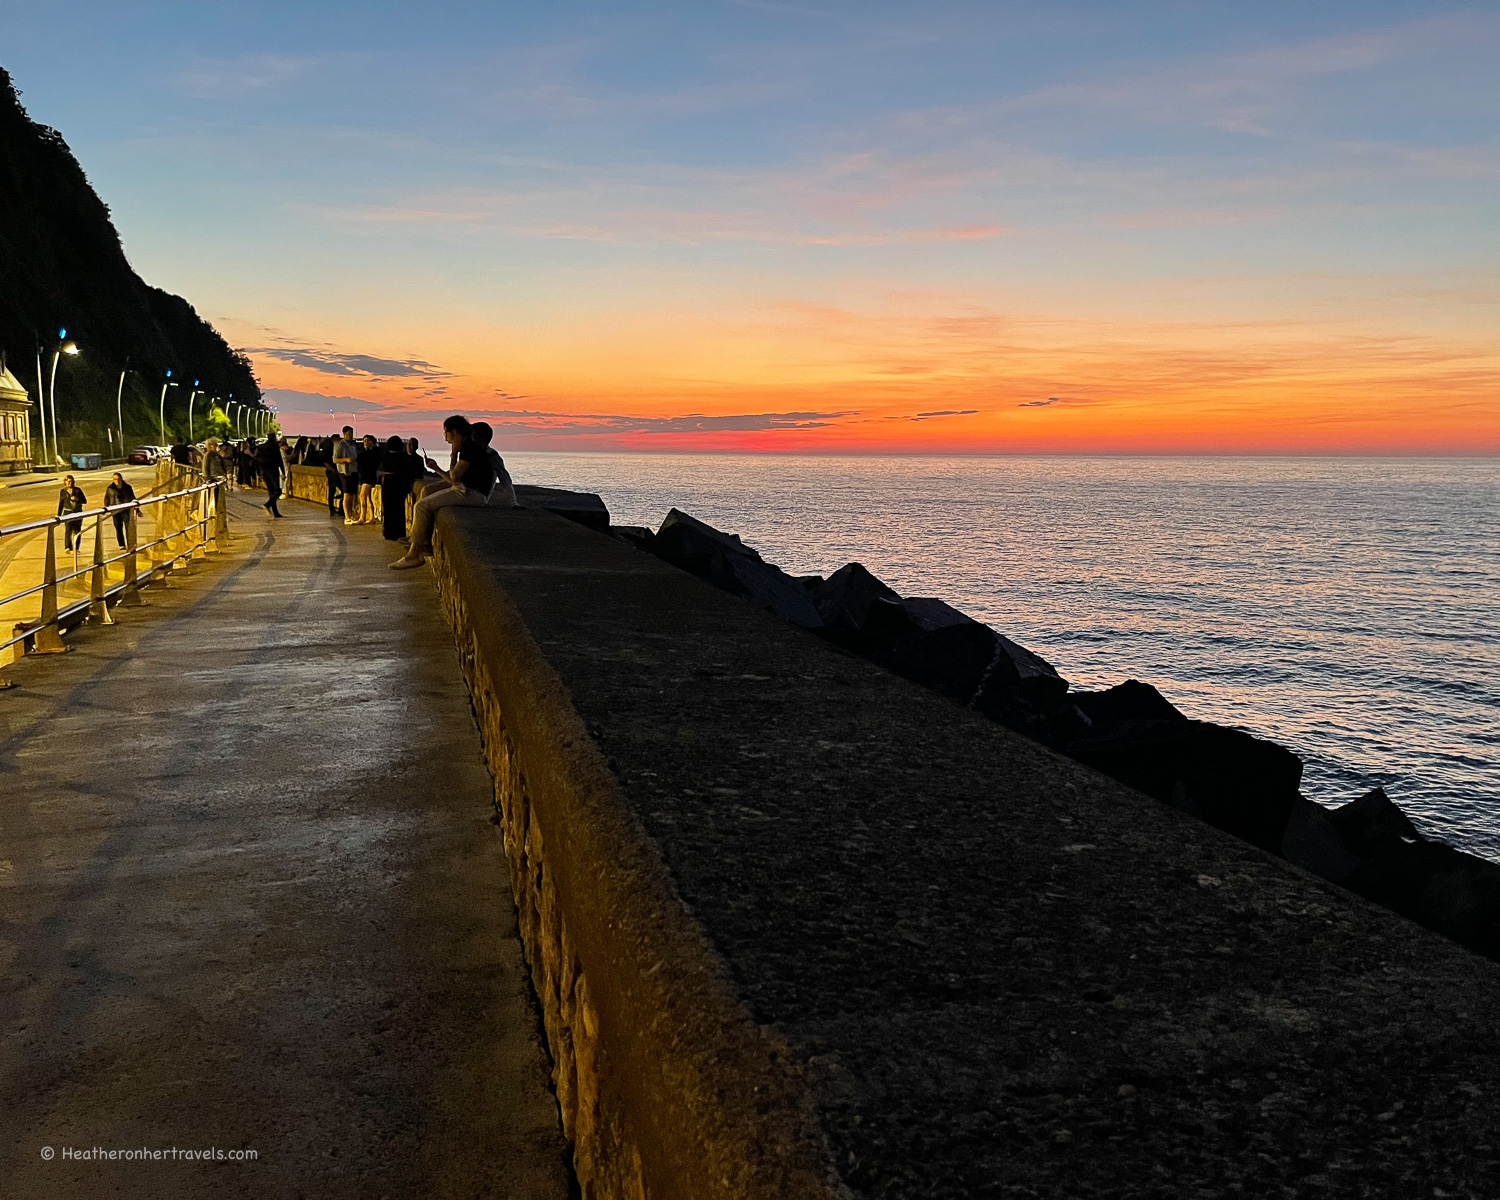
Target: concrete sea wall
<point>800,927</point>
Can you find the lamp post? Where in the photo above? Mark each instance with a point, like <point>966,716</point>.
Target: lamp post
<point>119,393</point>
<point>63,347</point>
<point>191,398</point>
<point>162,406</point>
<point>41,402</point>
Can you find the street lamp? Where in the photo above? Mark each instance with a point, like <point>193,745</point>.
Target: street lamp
<point>63,347</point>
<point>162,407</point>
<point>191,398</point>
<point>119,392</point>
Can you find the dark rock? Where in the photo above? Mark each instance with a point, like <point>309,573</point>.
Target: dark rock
<point>634,535</point>
<point>1372,820</point>
<point>1435,885</point>
<point>584,507</point>
<point>844,599</point>
<point>934,644</point>
<point>723,560</point>
<point>1314,844</point>
<point>810,583</point>
<point>930,643</point>
<point>1242,784</point>
<point>1128,701</point>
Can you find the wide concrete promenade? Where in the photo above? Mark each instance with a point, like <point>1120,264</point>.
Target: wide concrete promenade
<point>251,898</point>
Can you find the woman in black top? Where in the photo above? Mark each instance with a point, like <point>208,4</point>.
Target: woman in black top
<point>398,470</point>
<point>268,458</point>
<point>120,492</point>
<point>71,500</point>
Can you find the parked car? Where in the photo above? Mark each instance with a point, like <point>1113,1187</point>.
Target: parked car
<point>142,456</point>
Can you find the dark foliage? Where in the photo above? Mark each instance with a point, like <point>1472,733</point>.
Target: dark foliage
<point>62,264</point>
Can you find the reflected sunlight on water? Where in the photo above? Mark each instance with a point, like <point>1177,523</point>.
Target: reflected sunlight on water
<point>1343,607</point>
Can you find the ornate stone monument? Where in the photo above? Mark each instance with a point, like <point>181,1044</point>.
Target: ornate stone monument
<point>15,424</point>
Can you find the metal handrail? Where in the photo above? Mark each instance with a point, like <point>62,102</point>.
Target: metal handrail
<point>139,502</point>
<point>43,635</point>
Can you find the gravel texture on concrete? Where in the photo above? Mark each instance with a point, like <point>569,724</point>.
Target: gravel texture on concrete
<point>251,899</point>
<point>1003,974</point>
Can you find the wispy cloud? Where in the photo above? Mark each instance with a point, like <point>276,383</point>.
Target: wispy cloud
<point>235,78</point>
<point>688,424</point>
<point>325,359</point>
<point>1067,401</point>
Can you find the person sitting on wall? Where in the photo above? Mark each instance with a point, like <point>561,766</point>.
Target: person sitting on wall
<point>467,482</point>
<point>120,492</point>
<point>503,492</point>
<point>71,500</point>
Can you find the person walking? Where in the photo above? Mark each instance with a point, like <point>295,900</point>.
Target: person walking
<point>467,482</point>
<point>120,492</point>
<point>398,471</point>
<point>71,500</point>
<point>268,458</point>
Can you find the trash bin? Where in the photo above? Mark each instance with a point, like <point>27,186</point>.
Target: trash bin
<point>88,462</point>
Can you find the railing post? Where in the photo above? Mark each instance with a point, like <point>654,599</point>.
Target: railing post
<point>98,608</point>
<point>132,593</point>
<point>198,506</point>
<point>221,514</point>
<point>48,640</point>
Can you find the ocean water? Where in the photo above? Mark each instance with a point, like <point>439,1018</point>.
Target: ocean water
<point>1346,608</point>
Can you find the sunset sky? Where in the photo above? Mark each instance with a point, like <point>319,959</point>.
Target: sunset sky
<point>957,227</point>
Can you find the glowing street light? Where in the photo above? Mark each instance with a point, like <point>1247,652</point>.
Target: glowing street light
<point>63,347</point>
<point>191,398</point>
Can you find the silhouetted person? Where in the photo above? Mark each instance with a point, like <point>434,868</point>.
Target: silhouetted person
<point>120,492</point>
<point>335,480</point>
<point>503,492</point>
<point>71,500</point>
<point>399,469</point>
<point>182,453</point>
<point>268,458</point>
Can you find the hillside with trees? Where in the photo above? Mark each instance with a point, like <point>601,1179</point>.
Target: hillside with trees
<point>62,266</point>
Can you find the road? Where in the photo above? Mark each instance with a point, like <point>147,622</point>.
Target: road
<point>22,555</point>
<point>253,900</point>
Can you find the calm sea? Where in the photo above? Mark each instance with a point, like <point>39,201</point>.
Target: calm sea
<point>1346,608</point>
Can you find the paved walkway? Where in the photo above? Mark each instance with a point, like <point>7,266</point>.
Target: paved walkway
<point>250,898</point>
